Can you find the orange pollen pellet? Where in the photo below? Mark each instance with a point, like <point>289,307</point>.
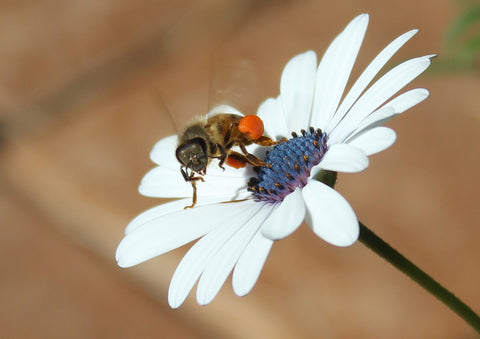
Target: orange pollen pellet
<point>252,126</point>
<point>235,163</point>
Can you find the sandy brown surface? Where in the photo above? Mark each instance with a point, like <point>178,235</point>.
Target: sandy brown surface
<point>79,95</point>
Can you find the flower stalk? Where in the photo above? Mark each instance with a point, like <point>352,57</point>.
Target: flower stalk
<point>387,252</point>
<point>391,255</point>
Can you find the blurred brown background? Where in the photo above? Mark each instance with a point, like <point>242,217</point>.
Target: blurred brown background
<point>84,87</point>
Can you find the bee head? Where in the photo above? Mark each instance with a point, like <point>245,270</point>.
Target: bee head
<point>193,154</point>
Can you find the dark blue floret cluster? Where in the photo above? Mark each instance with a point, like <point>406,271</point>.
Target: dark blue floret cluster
<point>288,166</point>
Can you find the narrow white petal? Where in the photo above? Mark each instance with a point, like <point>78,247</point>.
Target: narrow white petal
<point>163,153</point>
<point>161,182</point>
<point>344,158</point>
<point>271,113</point>
<point>170,231</point>
<point>222,109</point>
<point>367,76</point>
<point>198,257</point>
<point>296,89</point>
<point>250,264</point>
<point>408,99</point>
<point>396,106</point>
<point>374,140</point>
<point>164,182</point>
<point>377,118</point>
<point>224,260</point>
<point>382,90</point>
<point>156,212</point>
<point>334,70</point>
<point>285,217</point>
<point>178,205</point>
<point>215,171</point>
<point>329,215</point>
<point>222,186</point>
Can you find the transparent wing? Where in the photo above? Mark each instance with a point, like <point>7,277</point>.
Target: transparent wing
<point>234,82</point>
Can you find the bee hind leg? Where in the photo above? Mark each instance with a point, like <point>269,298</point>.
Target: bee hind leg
<point>266,141</point>
<point>262,141</point>
<point>247,157</point>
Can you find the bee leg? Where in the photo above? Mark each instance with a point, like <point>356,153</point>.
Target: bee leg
<point>191,176</point>
<point>239,160</point>
<point>266,141</point>
<point>185,175</point>
<point>229,132</point>
<point>262,141</point>
<point>222,157</point>
<point>193,180</point>
<point>194,198</point>
<point>250,158</point>
<point>255,161</point>
<point>236,160</point>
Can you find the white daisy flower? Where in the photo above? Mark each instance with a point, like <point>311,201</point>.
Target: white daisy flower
<point>238,218</point>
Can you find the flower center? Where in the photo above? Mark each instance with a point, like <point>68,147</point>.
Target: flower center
<point>288,166</point>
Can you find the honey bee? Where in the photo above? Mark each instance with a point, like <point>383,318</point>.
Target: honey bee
<point>213,138</point>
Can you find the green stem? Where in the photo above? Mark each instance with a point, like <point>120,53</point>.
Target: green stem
<point>376,244</point>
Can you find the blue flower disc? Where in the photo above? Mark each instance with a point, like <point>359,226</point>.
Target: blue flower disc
<point>288,166</point>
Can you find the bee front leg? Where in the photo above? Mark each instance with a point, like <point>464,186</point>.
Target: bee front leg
<point>194,186</point>
<point>193,180</point>
<point>185,175</point>
<point>222,157</point>
<point>194,198</point>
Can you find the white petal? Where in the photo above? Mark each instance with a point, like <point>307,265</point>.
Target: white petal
<point>408,100</point>
<point>329,214</point>
<point>250,264</point>
<point>374,140</point>
<point>296,89</point>
<point>334,70</point>
<point>161,182</point>
<point>344,158</point>
<point>163,153</point>
<point>164,182</point>
<point>198,257</point>
<point>222,109</point>
<point>213,170</point>
<point>377,118</point>
<point>396,106</point>
<point>224,260</point>
<point>382,90</point>
<point>367,76</point>
<point>178,205</point>
<point>271,113</point>
<point>285,217</point>
<point>172,230</point>
<point>156,212</point>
